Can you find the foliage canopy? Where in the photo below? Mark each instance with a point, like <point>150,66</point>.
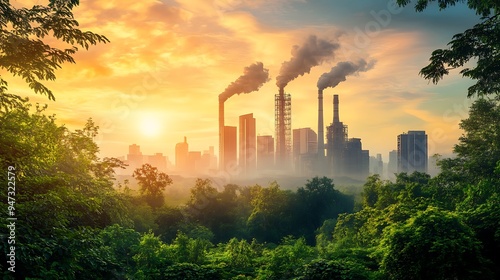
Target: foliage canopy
<point>481,44</point>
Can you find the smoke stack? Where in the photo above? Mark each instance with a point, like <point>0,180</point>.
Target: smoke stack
<point>336,108</point>
<point>221,134</point>
<point>254,76</point>
<point>321,137</point>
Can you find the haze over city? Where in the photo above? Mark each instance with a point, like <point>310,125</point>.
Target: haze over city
<point>160,77</point>
<point>250,139</point>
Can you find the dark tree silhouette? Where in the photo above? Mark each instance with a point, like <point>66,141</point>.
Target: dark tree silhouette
<point>152,183</point>
<point>23,51</point>
<point>479,43</point>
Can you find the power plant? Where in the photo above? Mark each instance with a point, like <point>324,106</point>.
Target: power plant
<point>311,53</point>
<point>336,138</point>
<point>344,156</point>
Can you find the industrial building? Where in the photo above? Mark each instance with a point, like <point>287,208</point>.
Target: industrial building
<point>345,157</point>
<point>283,127</point>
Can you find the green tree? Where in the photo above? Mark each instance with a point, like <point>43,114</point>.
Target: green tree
<point>61,187</point>
<point>190,271</point>
<point>151,257</point>
<point>480,43</point>
<point>152,183</point>
<point>169,221</point>
<point>122,242</point>
<point>478,149</point>
<point>190,250</point>
<point>434,244</point>
<point>24,49</point>
<point>202,204</point>
<point>271,216</point>
<point>335,269</point>
<point>285,261</point>
<point>316,202</point>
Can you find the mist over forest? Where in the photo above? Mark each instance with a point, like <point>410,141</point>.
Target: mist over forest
<point>69,212</point>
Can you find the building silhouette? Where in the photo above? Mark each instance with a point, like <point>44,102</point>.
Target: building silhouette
<point>392,167</point>
<point>181,155</point>
<point>194,164</point>
<point>377,165</point>
<point>247,144</point>
<point>265,152</point>
<point>283,128</point>
<point>345,157</point>
<point>134,157</point>
<point>305,150</point>
<point>157,160</point>
<point>356,162</point>
<point>208,159</point>
<point>230,148</point>
<point>336,138</point>
<point>412,152</point>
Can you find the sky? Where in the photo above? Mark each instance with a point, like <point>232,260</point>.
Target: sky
<point>159,78</point>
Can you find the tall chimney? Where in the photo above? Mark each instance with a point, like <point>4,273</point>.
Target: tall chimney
<point>221,135</point>
<point>336,108</point>
<point>321,137</point>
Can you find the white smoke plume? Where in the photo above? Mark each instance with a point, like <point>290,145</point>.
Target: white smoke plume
<point>312,53</point>
<point>343,69</point>
<point>254,76</point>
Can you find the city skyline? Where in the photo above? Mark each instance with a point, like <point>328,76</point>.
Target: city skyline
<point>167,62</point>
<point>354,162</point>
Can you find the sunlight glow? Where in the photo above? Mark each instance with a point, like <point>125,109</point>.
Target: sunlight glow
<point>150,126</point>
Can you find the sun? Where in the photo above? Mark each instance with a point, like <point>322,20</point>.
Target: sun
<point>150,126</point>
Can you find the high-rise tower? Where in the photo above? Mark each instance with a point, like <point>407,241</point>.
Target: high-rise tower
<point>248,147</point>
<point>412,152</point>
<point>181,155</point>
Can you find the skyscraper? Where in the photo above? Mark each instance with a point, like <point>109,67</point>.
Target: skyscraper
<point>356,160</point>
<point>247,141</point>
<point>392,167</point>
<point>181,155</point>
<point>412,152</point>
<point>230,148</point>
<point>265,152</point>
<point>305,150</point>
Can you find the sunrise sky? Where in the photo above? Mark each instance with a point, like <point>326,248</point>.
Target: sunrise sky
<point>159,78</point>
